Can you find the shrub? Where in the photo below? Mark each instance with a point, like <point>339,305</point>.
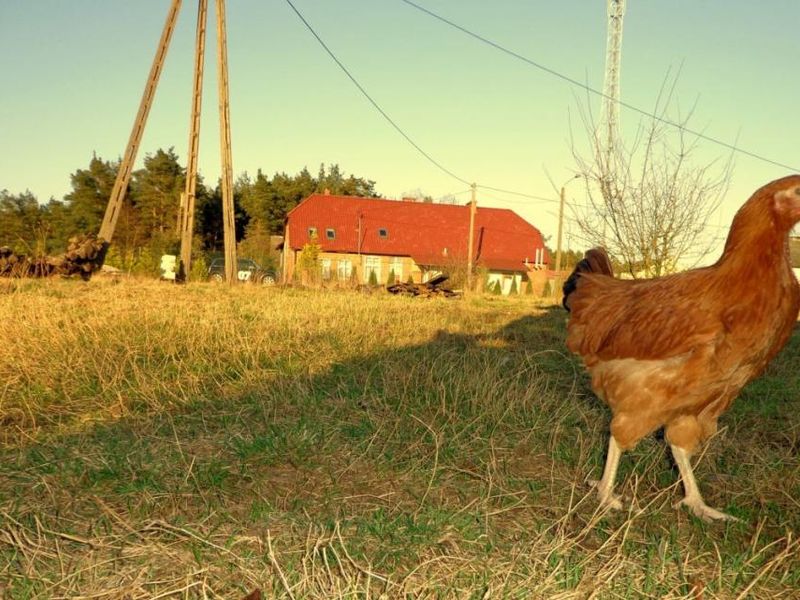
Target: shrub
<point>199,269</point>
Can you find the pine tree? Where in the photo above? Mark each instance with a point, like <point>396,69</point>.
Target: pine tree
<point>496,288</point>
<point>529,288</point>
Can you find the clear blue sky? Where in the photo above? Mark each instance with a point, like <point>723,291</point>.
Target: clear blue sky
<point>73,74</point>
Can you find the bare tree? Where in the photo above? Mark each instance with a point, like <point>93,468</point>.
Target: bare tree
<point>648,203</point>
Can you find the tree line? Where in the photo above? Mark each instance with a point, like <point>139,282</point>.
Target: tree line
<point>148,223</point>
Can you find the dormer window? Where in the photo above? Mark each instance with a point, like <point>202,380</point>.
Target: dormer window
<point>330,234</point>
<point>383,233</point>
<point>312,232</point>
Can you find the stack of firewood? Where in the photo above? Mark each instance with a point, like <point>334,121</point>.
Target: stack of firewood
<point>428,289</point>
<point>9,262</point>
<point>79,259</point>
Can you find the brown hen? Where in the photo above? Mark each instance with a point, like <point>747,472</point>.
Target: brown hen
<point>674,351</point>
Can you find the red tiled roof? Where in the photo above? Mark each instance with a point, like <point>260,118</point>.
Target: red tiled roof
<point>432,234</point>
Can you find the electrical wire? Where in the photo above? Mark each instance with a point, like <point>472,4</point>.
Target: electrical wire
<point>588,88</point>
<point>513,193</point>
<point>539,199</point>
<point>394,124</point>
<point>371,100</point>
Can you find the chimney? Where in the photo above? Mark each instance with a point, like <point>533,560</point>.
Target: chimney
<point>327,192</point>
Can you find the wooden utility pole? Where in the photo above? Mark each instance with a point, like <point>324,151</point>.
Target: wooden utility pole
<point>229,226</point>
<point>187,206</point>
<point>560,228</point>
<point>557,287</point>
<point>473,208</point>
<point>188,197</point>
<point>117,198</point>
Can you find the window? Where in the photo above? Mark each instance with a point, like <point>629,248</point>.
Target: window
<point>372,264</point>
<point>344,269</point>
<point>330,234</point>
<point>396,267</point>
<point>325,265</point>
<point>383,234</point>
<point>312,232</point>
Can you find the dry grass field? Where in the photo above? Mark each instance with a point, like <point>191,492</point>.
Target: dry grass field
<point>159,441</point>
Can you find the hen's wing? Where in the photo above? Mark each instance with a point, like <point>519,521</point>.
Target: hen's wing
<point>645,320</point>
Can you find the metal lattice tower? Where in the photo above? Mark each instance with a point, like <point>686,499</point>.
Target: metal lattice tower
<point>616,12</point>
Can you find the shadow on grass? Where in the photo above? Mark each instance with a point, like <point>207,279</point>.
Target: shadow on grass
<point>467,449</point>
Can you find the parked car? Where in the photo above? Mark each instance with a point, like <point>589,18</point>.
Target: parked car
<point>247,270</point>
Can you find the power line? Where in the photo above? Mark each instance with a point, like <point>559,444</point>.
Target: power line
<point>535,198</point>
<point>392,122</point>
<point>513,193</point>
<point>371,100</point>
<point>588,88</point>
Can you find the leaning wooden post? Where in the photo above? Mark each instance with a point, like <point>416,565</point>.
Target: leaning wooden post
<point>115,202</point>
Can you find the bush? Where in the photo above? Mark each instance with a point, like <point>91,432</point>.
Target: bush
<point>199,269</point>
<point>514,289</point>
<point>308,262</point>
<point>373,278</point>
<point>391,278</point>
<point>146,262</point>
<point>529,288</point>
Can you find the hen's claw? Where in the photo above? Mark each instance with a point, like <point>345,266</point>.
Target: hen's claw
<point>702,511</point>
<point>608,499</point>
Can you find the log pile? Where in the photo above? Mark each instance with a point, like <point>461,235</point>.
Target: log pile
<point>429,289</point>
<point>79,259</point>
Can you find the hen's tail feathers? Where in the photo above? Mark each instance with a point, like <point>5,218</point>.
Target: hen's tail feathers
<point>594,261</point>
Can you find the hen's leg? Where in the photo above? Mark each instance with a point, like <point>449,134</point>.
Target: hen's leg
<point>605,487</point>
<point>693,499</point>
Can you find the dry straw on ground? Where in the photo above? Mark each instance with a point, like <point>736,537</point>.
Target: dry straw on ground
<point>204,442</point>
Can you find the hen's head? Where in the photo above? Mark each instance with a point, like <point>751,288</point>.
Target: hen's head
<point>785,195</point>
<point>774,208</point>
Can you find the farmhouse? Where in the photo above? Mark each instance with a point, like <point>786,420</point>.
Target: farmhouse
<point>363,239</point>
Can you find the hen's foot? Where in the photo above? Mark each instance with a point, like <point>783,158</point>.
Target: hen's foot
<point>608,499</point>
<point>702,511</point>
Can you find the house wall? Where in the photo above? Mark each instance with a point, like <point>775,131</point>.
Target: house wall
<point>506,280</point>
<point>336,270</point>
<point>362,262</point>
<point>539,280</point>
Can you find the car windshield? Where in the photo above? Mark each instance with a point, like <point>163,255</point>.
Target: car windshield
<point>243,264</point>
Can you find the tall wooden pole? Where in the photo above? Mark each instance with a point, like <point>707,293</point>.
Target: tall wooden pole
<point>229,226</point>
<point>188,198</point>
<point>557,287</point>
<point>560,228</point>
<point>117,198</point>
<point>473,207</point>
